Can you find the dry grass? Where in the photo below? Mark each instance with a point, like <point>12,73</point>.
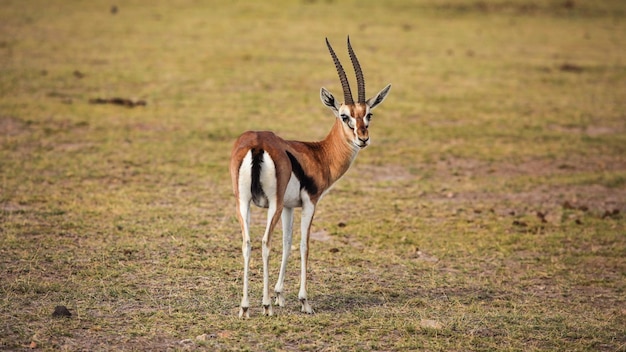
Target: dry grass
<point>488,214</point>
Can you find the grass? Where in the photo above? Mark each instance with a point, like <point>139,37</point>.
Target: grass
<point>488,213</point>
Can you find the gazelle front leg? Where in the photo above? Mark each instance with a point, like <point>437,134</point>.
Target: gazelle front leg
<point>287,220</point>
<point>308,210</point>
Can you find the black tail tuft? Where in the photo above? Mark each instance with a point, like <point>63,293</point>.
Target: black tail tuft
<point>255,187</point>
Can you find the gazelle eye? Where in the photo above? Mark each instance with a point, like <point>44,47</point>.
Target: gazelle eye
<point>347,120</point>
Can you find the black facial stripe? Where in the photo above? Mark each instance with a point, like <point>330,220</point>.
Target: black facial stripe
<point>306,181</point>
<point>347,120</point>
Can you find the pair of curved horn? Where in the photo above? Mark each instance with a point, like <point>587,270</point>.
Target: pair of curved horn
<point>347,93</point>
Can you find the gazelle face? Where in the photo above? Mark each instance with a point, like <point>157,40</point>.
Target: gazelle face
<point>356,119</point>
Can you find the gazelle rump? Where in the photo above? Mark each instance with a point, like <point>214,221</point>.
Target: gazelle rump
<point>281,175</point>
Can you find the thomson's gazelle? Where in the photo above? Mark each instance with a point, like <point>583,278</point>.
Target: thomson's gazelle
<point>281,175</point>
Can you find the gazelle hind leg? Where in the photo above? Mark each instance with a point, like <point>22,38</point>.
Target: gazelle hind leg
<point>241,178</point>
<point>272,219</point>
<point>273,188</point>
<point>244,219</point>
<point>287,221</point>
<point>308,210</point>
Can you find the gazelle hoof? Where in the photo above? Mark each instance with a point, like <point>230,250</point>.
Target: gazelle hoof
<point>306,307</point>
<point>280,300</point>
<point>244,313</point>
<point>267,310</point>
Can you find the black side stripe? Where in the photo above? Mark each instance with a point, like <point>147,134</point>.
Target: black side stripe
<point>255,186</point>
<point>306,181</point>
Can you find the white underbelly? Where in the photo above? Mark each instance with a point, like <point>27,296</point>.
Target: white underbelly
<point>293,198</point>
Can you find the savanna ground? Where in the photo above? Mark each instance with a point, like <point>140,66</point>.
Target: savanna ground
<point>488,213</point>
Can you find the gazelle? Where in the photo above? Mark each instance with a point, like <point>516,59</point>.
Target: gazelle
<point>281,175</point>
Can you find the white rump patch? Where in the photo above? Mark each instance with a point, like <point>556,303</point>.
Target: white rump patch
<point>268,178</point>
<point>245,178</point>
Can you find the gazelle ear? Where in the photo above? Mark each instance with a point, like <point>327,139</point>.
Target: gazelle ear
<point>378,98</point>
<point>329,100</point>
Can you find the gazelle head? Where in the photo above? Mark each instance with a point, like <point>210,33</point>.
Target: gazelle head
<point>355,117</point>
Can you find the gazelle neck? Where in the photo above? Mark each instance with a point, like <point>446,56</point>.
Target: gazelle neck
<point>339,152</point>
